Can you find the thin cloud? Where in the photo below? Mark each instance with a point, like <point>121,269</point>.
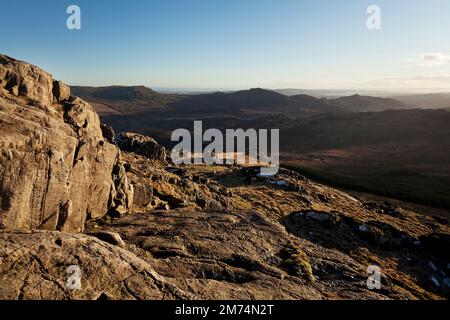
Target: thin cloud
<point>428,60</point>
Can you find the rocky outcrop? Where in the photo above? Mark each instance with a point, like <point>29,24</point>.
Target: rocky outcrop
<point>56,167</point>
<point>159,187</point>
<point>24,80</point>
<point>51,265</point>
<point>142,145</point>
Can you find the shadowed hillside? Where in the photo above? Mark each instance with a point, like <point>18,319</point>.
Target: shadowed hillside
<point>403,154</point>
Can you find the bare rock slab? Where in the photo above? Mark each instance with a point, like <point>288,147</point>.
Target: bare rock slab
<point>41,265</point>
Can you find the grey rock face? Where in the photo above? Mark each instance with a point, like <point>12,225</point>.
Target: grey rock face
<point>56,167</point>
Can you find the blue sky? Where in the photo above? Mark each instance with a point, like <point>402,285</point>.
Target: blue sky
<point>233,44</point>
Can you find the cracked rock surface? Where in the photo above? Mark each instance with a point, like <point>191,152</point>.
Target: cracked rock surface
<point>56,168</point>
<point>34,265</point>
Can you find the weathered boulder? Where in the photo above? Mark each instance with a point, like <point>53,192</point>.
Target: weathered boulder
<point>48,264</point>
<point>142,145</point>
<point>25,80</point>
<point>56,167</point>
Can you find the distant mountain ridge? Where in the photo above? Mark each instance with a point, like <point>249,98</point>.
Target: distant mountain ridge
<point>324,93</point>
<point>253,102</point>
<point>118,92</point>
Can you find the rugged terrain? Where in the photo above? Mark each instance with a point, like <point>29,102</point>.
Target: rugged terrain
<point>185,232</point>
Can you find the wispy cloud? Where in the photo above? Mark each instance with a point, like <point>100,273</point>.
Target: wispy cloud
<point>428,60</point>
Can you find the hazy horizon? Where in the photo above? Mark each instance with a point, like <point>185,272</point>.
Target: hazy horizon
<point>325,91</point>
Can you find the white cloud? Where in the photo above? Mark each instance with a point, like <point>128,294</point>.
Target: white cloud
<point>428,60</point>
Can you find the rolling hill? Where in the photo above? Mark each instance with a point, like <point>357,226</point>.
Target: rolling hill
<point>124,100</point>
<point>253,102</point>
<point>358,103</point>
